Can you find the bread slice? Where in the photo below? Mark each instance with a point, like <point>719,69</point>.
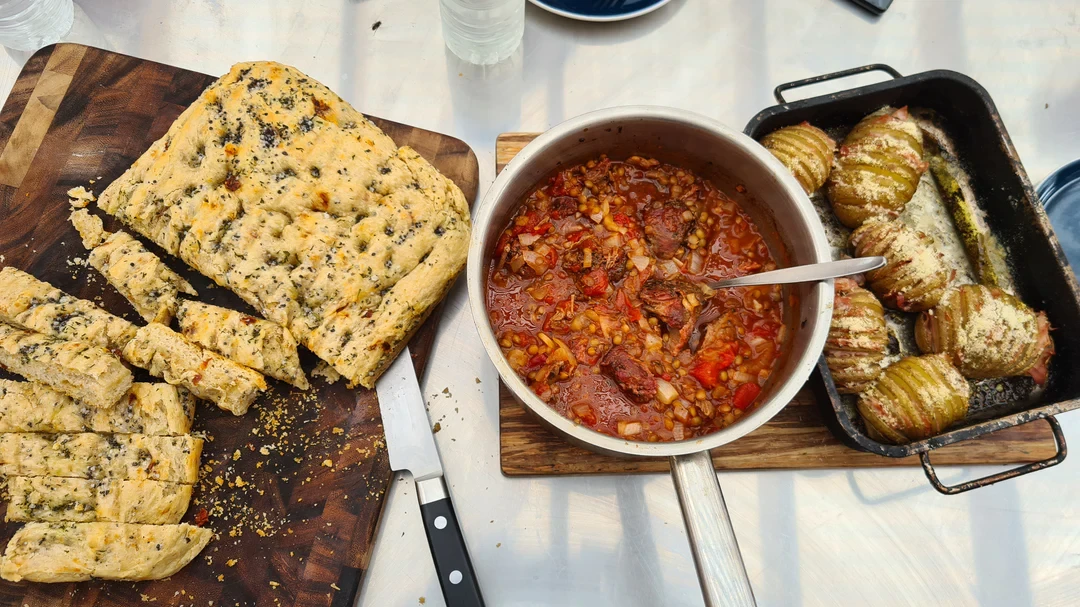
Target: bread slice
<point>260,344</point>
<point>136,272</point>
<point>158,409</point>
<point>80,370</point>
<point>51,499</point>
<point>76,552</point>
<point>174,459</point>
<point>170,356</point>
<point>277,189</point>
<point>35,304</point>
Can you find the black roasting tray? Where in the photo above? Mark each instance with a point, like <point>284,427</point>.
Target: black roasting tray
<point>1040,270</point>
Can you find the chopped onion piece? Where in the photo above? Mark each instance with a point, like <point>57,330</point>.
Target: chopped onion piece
<point>629,428</point>
<point>516,262</point>
<point>597,217</point>
<point>587,261</point>
<point>677,431</point>
<point>653,341</point>
<point>614,241</point>
<point>669,268</point>
<point>665,392</point>
<point>640,262</point>
<point>528,239</point>
<point>697,262</point>
<point>743,378</point>
<point>536,261</point>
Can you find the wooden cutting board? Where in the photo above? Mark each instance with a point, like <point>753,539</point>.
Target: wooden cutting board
<point>795,439</point>
<point>294,489</point>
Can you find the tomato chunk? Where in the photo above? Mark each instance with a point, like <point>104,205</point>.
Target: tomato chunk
<point>709,363</point>
<point>594,283</point>
<point>745,395</point>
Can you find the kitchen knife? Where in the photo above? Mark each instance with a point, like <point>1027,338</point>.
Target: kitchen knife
<point>412,447</point>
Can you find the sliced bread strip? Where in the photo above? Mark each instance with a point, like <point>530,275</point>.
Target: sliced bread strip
<point>35,304</point>
<point>81,370</point>
<point>75,552</point>
<point>210,376</point>
<point>174,459</point>
<point>158,408</point>
<point>253,342</point>
<point>136,272</point>
<point>51,499</point>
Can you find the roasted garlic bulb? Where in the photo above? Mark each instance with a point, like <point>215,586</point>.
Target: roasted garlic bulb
<point>878,168</point>
<point>915,277</point>
<point>984,331</point>
<point>805,150</point>
<point>857,338</point>
<point>915,398</point>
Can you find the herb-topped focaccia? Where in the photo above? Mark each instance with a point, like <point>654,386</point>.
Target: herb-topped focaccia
<point>98,456</point>
<point>159,409</point>
<point>55,499</point>
<point>136,272</point>
<point>35,304</point>
<point>75,552</point>
<point>277,189</point>
<point>253,342</point>
<point>79,369</point>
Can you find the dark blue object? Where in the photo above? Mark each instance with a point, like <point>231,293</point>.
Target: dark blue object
<point>600,10</point>
<point>1060,194</point>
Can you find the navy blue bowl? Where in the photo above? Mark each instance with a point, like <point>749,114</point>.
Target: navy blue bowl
<point>600,10</point>
<point>1060,194</point>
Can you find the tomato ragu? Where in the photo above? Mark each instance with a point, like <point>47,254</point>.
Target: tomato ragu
<point>597,296</point>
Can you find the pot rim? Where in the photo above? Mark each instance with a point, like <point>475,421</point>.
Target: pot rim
<point>476,271</point>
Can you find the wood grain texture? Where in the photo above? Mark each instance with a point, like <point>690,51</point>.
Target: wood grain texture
<point>295,488</point>
<point>796,438</point>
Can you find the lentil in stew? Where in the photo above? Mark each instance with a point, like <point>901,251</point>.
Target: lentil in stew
<point>596,296</point>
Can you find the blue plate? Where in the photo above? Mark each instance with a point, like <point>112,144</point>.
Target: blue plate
<point>600,10</point>
<point>1060,194</point>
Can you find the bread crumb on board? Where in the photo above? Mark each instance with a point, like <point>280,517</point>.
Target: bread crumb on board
<point>80,197</point>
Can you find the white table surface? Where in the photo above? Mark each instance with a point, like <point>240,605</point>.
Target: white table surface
<point>840,537</point>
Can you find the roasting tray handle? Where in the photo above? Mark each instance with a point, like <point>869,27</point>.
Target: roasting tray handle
<point>778,92</point>
<point>1062,451</point>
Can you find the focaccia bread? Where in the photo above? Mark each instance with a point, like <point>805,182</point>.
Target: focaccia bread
<point>277,189</point>
<point>76,552</point>
<point>98,456</point>
<point>260,344</point>
<point>136,272</point>
<point>35,304</point>
<point>157,409</point>
<point>52,499</point>
<point>81,370</point>
<point>208,375</point>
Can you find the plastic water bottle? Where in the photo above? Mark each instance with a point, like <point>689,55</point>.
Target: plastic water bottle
<point>27,25</point>
<point>483,31</point>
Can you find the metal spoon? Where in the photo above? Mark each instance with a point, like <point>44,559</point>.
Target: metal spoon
<point>807,273</point>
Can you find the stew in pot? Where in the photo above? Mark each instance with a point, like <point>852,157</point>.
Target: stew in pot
<point>596,294</point>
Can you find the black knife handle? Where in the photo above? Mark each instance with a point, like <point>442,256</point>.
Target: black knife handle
<point>456,576</point>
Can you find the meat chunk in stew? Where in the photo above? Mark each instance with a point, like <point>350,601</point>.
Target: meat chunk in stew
<point>605,265</point>
<point>666,227</point>
<point>676,304</point>
<point>630,374</point>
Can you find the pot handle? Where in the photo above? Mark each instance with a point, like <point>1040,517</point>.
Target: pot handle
<point>1062,451</point>
<point>778,92</point>
<point>717,559</point>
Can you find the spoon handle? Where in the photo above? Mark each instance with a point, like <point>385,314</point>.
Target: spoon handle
<point>807,273</point>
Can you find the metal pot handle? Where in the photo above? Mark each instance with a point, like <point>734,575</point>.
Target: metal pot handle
<point>778,92</point>
<point>1062,451</point>
<point>719,563</point>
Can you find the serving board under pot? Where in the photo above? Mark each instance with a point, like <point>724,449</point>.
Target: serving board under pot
<point>796,438</point>
<point>297,527</point>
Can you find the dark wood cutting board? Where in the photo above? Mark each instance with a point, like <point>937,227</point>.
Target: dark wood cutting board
<point>294,489</point>
<point>795,439</point>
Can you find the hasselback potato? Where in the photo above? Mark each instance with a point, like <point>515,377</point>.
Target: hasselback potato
<point>915,277</point>
<point>857,338</point>
<point>878,168</point>
<point>916,397</point>
<point>805,150</point>
<point>984,331</point>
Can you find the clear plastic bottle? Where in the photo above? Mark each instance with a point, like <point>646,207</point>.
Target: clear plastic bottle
<point>27,25</point>
<point>483,31</point>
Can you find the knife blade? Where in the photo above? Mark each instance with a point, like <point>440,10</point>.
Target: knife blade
<point>411,446</point>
